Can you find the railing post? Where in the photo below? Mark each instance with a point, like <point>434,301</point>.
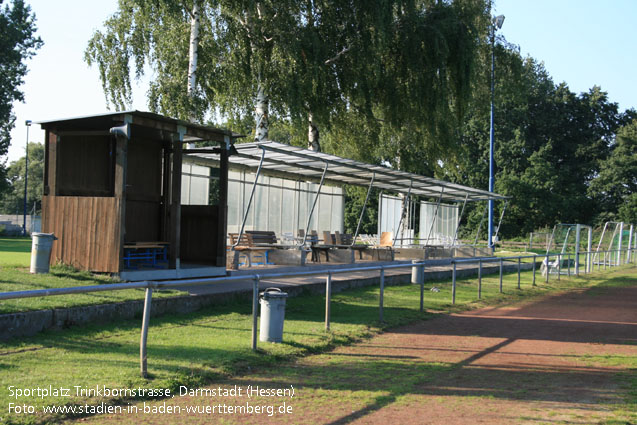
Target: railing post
<point>480,278</point>
<point>144,337</point>
<point>501,275</point>
<point>519,267</point>
<point>576,264</point>
<point>328,300</point>
<point>559,266</point>
<point>255,310</point>
<point>382,294</point>
<point>453,283</point>
<point>548,267</point>
<point>568,265</point>
<point>534,266</point>
<point>422,288</point>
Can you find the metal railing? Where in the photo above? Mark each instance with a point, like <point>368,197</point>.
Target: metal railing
<point>611,258</point>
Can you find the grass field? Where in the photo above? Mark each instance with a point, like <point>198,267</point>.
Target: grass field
<point>15,252</point>
<point>210,345</point>
<point>15,257</point>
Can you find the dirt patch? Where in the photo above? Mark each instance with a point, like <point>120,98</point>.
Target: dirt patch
<point>555,360</point>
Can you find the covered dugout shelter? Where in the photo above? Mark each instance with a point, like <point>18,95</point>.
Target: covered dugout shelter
<point>112,196</point>
<point>296,163</point>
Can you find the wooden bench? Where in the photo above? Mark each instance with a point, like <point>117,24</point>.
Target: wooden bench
<point>259,237</point>
<point>258,241</point>
<point>146,253</point>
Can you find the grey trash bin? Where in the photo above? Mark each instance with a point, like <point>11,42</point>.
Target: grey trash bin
<point>41,251</point>
<point>417,272</point>
<point>272,302</point>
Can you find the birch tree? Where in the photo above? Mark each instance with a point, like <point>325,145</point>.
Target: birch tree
<point>402,67</point>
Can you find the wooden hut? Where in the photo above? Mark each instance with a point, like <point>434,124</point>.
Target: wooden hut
<point>112,197</point>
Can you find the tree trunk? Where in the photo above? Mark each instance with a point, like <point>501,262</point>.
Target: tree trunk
<point>313,135</point>
<point>261,114</point>
<point>194,43</point>
<point>192,59</point>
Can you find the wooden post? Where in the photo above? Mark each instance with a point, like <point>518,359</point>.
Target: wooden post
<point>51,170</point>
<point>175,205</point>
<point>165,196</point>
<point>222,219</point>
<point>119,191</point>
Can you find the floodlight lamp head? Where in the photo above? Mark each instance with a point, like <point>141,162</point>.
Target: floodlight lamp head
<point>498,21</point>
<point>27,123</point>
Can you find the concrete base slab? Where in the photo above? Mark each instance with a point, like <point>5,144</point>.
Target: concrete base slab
<point>378,254</point>
<point>288,257</point>
<point>341,255</point>
<point>471,251</point>
<point>187,271</point>
<point>430,252</point>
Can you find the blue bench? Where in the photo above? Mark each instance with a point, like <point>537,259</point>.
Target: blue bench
<point>146,253</point>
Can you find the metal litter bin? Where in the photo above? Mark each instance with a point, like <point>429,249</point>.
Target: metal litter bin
<point>272,302</point>
<point>417,272</point>
<point>41,251</point>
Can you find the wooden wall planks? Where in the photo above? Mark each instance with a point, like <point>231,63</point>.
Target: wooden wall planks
<point>87,229</point>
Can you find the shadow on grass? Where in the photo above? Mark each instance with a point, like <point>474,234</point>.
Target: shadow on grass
<point>386,380</point>
<point>389,377</point>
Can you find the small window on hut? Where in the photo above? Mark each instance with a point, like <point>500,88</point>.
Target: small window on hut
<point>199,185</point>
<point>85,165</point>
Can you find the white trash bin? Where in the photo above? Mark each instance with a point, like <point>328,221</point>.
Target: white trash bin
<point>41,251</point>
<point>272,302</point>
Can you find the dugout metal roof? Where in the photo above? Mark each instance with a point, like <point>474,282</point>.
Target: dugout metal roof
<point>297,163</point>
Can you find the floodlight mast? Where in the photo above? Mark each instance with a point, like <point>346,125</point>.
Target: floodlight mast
<point>27,123</point>
<point>497,24</point>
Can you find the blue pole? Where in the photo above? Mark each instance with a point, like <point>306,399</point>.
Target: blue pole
<point>491,137</point>
<point>26,181</point>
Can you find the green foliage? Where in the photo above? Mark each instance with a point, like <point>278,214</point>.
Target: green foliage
<point>354,201</point>
<point>549,144</point>
<point>406,64</point>
<point>615,187</point>
<point>387,82</point>
<point>18,43</point>
<point>13,200</point>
